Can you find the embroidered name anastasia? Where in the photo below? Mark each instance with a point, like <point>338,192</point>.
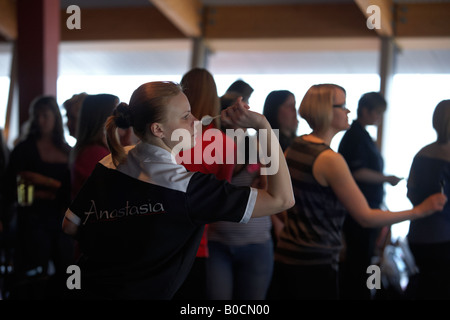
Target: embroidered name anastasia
<point>105,215</point>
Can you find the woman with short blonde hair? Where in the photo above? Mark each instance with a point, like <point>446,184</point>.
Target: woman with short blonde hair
<point>307,253</point>
<point>317,106</point>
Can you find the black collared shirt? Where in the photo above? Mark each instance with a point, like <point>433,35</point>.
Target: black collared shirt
<point>360,151</point>
<point>140,224</point>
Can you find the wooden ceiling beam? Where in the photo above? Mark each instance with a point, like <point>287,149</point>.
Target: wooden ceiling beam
<point>301,22</point>
<point>423,20</point>
<point>133,23</point>
<point>186,15</point>
<point>295,44</point>
<point>383,11</point>
<point>285,21</point>
<point>8,19</point>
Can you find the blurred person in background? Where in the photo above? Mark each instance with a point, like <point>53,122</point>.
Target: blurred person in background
<point>73,106</point>
<point>429,238</point>
<point>91,144</point>
<point>200,88</point>
<point>307,253</point>
<point>38,179</point>
<point>279,109</point>
<point>367,165</point>
<point>242,88</point>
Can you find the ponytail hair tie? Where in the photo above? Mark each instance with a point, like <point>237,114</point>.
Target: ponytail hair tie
<point>122,115</point>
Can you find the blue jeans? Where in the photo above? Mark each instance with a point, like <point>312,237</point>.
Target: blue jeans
<point>239,272</point>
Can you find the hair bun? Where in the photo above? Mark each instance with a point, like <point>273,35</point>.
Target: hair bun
<point>123,116</point>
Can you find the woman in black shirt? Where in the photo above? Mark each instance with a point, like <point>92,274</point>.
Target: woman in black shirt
<point>40,159</point>
<point>140,216</point>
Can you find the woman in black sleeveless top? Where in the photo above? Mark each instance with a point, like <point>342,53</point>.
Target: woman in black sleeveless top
<point>306,256</point>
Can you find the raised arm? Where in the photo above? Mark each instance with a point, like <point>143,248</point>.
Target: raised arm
<point>278,195</point>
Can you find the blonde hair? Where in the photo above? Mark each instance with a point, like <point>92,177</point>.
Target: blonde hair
<point>317,106</point>
<point>200,88</point>
<point>441,121</point>
<point>147,105</point>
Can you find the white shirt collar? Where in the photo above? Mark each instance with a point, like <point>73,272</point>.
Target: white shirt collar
<point>153,153</point>
<point>152,164</point>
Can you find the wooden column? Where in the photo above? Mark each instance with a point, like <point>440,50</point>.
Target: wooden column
<point>388,53</point>
<point>200,53</point>
<point>37,50</point>
<point>11,130</point>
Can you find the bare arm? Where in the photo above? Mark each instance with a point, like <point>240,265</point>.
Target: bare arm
<point>68,226</point>
<point>372,176</point>
<point>51,185</point>
<point>278,195</point>
<point>331,170</point>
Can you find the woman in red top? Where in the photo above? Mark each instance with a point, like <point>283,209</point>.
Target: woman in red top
<point>91,144</point>
<point>200,88</point>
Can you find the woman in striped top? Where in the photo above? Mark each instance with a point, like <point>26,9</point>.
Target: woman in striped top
<point>306,256</point>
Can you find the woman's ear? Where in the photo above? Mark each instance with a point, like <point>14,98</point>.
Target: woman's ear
<point>157,130</point>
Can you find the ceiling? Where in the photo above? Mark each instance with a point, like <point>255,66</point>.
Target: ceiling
<point>248,36</point>
<point>140,3</point>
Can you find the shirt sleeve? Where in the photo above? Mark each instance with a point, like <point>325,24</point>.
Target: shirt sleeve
<point>210,200</point>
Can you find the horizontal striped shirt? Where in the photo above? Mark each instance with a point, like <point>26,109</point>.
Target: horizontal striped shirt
<point>257,230</point>
<point>312,232</point>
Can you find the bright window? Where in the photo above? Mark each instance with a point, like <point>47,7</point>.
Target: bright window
<point>408,129</point>
<point>4,91</point>
<point>408,118</point>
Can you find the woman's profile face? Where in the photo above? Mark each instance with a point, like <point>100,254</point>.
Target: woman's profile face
<point>287,116</point>
<point>340,115</point>
<point>179,121</point>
